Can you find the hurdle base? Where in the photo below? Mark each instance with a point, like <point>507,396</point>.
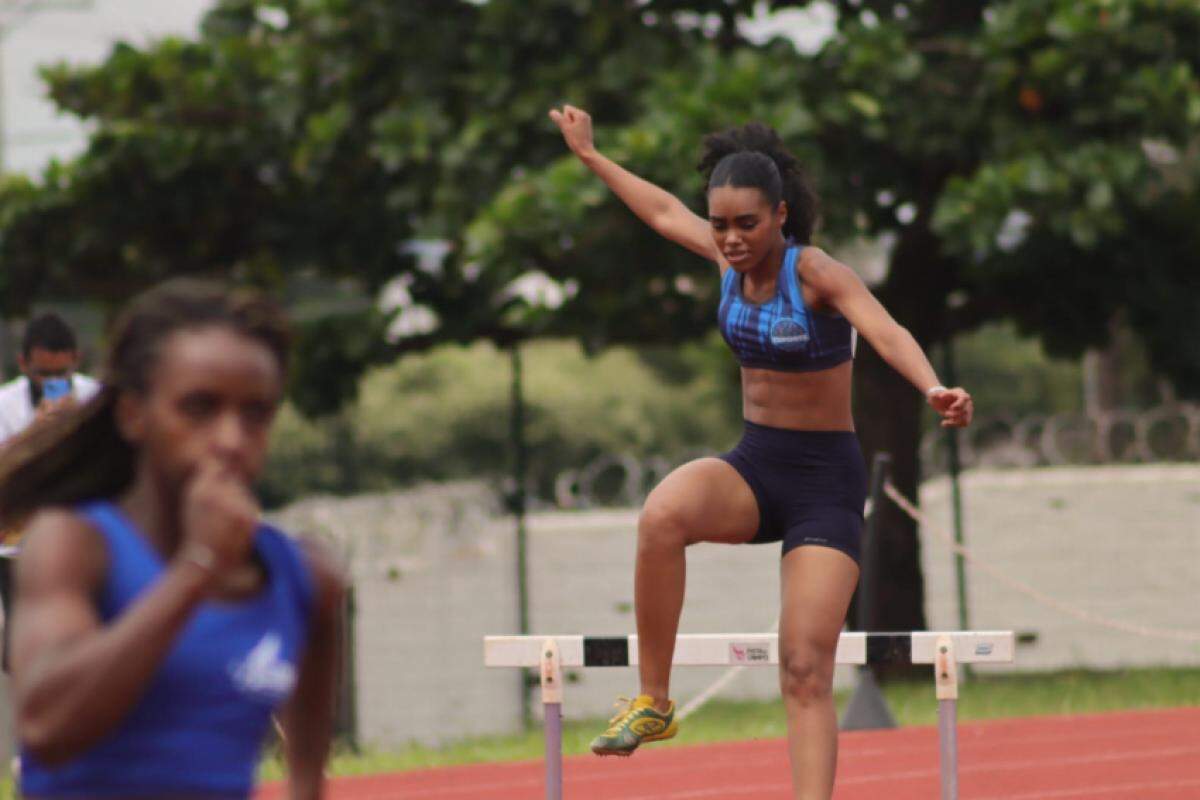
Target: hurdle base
<point>867,709</point>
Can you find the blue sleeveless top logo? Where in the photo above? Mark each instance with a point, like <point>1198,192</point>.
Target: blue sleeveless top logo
<point>199,728</point>
<point>781,333</point>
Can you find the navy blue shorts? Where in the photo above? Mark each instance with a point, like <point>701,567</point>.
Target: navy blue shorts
<point>810,486</point>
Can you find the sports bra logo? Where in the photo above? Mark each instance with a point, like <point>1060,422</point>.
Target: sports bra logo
<point>787,334</point>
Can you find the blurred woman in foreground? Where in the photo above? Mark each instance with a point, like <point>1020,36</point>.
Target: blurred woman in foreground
<point>158,623</point>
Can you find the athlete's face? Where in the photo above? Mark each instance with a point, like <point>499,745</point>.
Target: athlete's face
<point>213,394</point>
<point>744,225</point>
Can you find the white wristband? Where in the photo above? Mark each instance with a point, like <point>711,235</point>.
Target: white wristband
<point>932,390</point>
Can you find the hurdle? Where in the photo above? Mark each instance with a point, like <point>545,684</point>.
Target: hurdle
<point>943,650</point>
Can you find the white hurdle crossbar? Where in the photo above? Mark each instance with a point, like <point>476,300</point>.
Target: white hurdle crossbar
<point>943,650</point>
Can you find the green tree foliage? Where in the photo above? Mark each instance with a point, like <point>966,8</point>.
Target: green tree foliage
<point>1023,159</point>
<point>325,134</point>
<point>320,135</point>
<point>1100,103</point>
<point>443,415</point>
<point>1000,149</point>
<point>1013,377</point>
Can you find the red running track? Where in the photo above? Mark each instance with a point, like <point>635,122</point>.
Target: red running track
<point>1138,755</point>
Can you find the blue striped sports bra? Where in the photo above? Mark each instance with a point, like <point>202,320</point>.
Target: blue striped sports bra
<point>782,333</point>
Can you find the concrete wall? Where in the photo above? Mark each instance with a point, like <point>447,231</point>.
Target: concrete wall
<point>1120,544</point>
<point>435,572</point>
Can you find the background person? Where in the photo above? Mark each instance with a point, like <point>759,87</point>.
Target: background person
<point>49,360</point>
<point>159,624</point>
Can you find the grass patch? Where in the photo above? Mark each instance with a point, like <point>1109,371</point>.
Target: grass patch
<point>912,703</point>
<point>1067,692</point>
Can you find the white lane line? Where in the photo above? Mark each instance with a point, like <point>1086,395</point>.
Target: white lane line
<point>718,791</point>
<point>1026,765</point>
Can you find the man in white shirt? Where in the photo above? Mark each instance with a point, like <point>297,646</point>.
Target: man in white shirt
<point>48,360</point>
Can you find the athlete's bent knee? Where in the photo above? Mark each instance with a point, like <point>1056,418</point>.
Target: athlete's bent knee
<point>804,678</point>
<point>661,524</point>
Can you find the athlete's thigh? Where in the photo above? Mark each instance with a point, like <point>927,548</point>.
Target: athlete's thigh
<point>708,499</point>
<point>816,585</point>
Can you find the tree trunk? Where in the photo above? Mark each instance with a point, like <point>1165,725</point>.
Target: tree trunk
<point>887,414</point>
<point>1104,384</point>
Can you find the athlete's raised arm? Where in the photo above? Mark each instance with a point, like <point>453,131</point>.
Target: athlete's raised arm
<point>658,208</point>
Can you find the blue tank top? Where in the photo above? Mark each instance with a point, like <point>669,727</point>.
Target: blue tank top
<point>199,728</point>
<point>781,333</point>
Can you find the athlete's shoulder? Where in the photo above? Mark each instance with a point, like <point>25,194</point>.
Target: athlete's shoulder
<point>55,525</point>
<point>318,579</point>
<point>812,257</point>
<point>60,547</point>
<point>821,270</point>
<point>322,569</point>
<point>328,573</point>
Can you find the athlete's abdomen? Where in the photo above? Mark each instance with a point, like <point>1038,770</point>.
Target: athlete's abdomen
<point>811,401</point>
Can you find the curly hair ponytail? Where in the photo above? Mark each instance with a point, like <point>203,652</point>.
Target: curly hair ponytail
<point>753,156</point>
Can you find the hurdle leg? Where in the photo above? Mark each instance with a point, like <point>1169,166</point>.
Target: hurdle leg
<point>552,696</point>
<point>946,679</point>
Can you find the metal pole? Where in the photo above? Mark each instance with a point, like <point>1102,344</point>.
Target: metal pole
<point>552,698</point>
<point>955,466</point>
<point>518,505</point>
<point>880,465</point>
<point>346,721</point>
<point>960,572</point>
<point>867,709</point>
<point>946,680</point>
<point>948,736</point>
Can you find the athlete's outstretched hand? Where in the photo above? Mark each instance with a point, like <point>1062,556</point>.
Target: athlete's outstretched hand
<point>954,405</point>
<point>576,127</point>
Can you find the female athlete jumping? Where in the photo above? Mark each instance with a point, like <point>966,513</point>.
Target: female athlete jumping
<point>789,312</point>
